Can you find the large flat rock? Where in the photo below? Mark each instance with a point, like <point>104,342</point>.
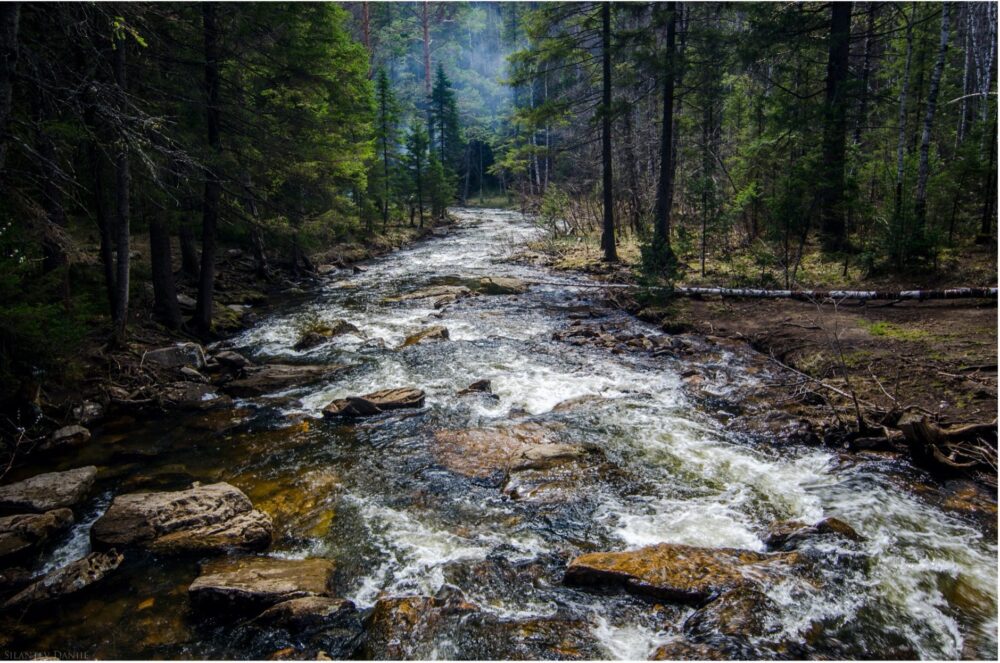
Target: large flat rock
<point>260,380</point>
<point>480,452</point>
<point>45,492</point>
<point>208,518</point>
<point>69,579</point>
<point>678,572</point>
<point>255,583</point>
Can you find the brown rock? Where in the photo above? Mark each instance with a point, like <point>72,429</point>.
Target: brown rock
<point>322,334</point>
<point>397,625</point>
<point>253,583</point>
<point>741,612</point>
<point>260,380</point>
<point>432,333</point>
<point>202,519</point>
<point>193,396</point>
<point>677,572</point>
<point>787,533</point>
<point>70,579</point>
<point>481,452</point>
<point>24,533</point>
<point>45,492</point>
<point>375,403</point>
<point>478,387</point>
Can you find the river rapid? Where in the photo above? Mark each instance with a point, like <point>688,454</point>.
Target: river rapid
<point>374,495</point>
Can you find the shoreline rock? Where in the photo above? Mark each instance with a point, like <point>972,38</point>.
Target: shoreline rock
<point>202,519</point>
<point>48,491</point>
<point>261,380</point>
<point>23,534</point>
<point>70,579</point>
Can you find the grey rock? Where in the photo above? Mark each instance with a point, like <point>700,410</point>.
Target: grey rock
<point>45,492</point>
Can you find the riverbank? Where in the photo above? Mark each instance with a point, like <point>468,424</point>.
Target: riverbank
<point>102,382</point>
<point>896,363</point>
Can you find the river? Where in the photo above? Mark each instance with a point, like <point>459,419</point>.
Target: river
<point>376,497</point>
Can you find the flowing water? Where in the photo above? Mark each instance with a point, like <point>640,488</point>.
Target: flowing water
<point>375,496</point>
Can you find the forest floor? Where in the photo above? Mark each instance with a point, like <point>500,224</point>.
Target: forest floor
<point>937,358</point>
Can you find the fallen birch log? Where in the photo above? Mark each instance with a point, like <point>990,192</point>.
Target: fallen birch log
<point>805,295</point>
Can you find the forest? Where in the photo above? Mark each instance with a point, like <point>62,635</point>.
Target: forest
<point>704,264</point>
<point>867,130</point>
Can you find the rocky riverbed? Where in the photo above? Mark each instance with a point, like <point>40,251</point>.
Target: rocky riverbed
<point>437,456</point>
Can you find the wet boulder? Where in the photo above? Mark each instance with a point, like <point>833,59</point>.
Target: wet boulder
<point>375,403</point>
<point>186,303</point>
<point>66,437</point>
<point>438,291</point>
<point>260,380</point>
<point>45,492</point>
<point>678,572</point>
<point>432,333</point>
<point>743,612</point>
<point>175,356</point>
<point>320,334</point>
<point>202,519</point>
<point>70,579</point>
<point>251,584</point>
<point>23,534</point>
<point>786,534</point>
<point>501,285</point>
<point>477,387</point>
<point>232,360</point>
<point>405,627</point>
<point>88,412</point>
<point>306,628</point>
<point>712,649</point>
<point>479,453</point>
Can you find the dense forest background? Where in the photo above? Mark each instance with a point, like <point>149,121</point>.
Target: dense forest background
<point>745,143</point>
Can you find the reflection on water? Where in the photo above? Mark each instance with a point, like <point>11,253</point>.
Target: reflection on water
<point>377,498</point>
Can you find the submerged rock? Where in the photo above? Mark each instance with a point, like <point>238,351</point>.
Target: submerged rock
<point>677,572</point>
<point>311,627</point>
<point>375,403</point>
<point>208,518</point>
<point>742,613</point>
<point>260,380</point>
<point>69,579</point>
<point>432,333</point>
<point>786,534</point>
<point>45,492</point>
<point>23,534</point>
<point>175,356</point>
<point>253,583</point>
<point>398,626</point>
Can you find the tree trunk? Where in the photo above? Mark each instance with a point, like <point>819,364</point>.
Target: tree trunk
<point>989,186</point>
<point>164,292</point>
<point>105,225</point>
<point>835,129</point>
<point>122,191</point>
<point>608,234</point>
<point>664,197</point>
<point>213,187</point>
<point>54,255</point>
<point>10,13</point>
<point>923,170</point>
<point>190,262</point>
<point>963,114</point>
<point>901,137</point>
